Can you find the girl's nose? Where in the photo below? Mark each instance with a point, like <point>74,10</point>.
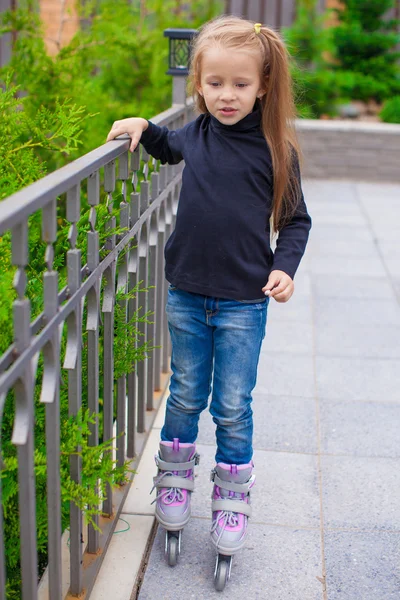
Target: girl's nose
<point>228,93</point>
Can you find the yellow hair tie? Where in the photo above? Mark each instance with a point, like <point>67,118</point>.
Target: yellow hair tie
<point>257,27</point>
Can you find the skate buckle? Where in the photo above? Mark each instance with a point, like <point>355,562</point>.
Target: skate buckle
<point>196,459</point>
<point>212,474</point>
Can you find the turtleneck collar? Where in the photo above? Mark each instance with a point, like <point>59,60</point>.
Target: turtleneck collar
<point>250,121</point>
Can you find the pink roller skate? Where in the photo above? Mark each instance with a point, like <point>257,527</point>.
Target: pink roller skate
<point>175,484</point>
<point>230,512</point>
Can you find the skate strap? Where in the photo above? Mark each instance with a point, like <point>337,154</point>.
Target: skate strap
<point>179,466</point>
<point>171,481</point>
<point>240,488</point>
<point>232,505</point>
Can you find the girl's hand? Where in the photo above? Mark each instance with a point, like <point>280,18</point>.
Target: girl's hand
<point>133,126</point>
<point>280,286</point>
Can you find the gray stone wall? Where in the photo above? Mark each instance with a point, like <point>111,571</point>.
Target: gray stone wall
<point>349,149</point>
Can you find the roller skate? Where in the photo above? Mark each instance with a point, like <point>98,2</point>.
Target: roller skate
<point>175,483</point>
<point>230,512</point>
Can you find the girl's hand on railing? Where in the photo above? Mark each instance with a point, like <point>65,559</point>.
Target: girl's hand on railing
<point>134,127</point>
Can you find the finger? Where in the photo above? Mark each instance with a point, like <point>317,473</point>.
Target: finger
<point>112,134</point>
<point>272,282</point>
<point>285,295</point>
<point>279,289</point>
<point>134,142</point>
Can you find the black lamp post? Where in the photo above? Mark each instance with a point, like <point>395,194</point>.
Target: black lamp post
<point>178,60</point>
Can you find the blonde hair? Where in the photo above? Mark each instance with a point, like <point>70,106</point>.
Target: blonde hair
<point>278,110</point>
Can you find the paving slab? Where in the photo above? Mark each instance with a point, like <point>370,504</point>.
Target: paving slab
<point>355,311</point>
<point>287,336</point>
<point>341,339</point>
<point>361,492</point>
<point>326,286</point>
<point>286,490</point>
<point>358,378</point>
<point>346,265</point>
<point>277,563</point>
<point>360,428</point>
<point>362,565</point>
<point>281,423</point>
<point>286,374</point>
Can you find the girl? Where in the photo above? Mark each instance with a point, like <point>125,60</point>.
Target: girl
<point>241,169</point>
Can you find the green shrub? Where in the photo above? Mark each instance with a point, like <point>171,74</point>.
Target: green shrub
<point>308,38</point>
<point>316,92</point>
<point>309,41</point>
<point>390,112</point>
<point>365,45</point>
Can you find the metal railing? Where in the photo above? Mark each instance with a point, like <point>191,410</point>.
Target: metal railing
<point>133,256</point>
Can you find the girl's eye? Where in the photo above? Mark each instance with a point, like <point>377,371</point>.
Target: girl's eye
<point>240,85</point>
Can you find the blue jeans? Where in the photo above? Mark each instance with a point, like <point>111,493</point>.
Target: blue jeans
<point>216,340</point>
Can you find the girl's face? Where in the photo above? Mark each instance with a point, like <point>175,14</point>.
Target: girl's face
<point>230,83</point>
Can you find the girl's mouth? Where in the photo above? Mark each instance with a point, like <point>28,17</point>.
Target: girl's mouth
<point>228,111</point>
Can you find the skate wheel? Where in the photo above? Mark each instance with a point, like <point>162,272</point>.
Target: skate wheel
<point>172,550</point>
<point>221,574</point>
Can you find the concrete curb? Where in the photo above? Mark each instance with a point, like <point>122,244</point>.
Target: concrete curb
<point>120,574</point>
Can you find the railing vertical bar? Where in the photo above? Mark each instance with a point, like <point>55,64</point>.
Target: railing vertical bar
<point>108,329</point>
<point>159,311</point>
<point>144,278</point>
<point>92,327</point>
<point>53,444</point>
<point>108,370</point>
<point>2,557</point>
<point>142,328</point>
<point>152,262</point>
<point>168,230</point>
<point>93,394</point>
<point>132,376</point>
<point>24,418</point>
<point>73,362</point>
<point>132,308</point>
<point>2,554</point>
<point>152,273</point>
<point>51,396</point>
<point>123,306</point>
<point>27,513</point>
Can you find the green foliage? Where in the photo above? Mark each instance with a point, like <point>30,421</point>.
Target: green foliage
<point>97,467</point>
<point>390,112</point>
<point>316,92</point>
<point>354,60</point>
<point>308,38</point>
<point>365,45</point>
<point>21,135</point>
<point>309,42</point>
<point>115,66</point>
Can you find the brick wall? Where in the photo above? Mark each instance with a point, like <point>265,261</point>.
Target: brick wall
<point>60,22</point>
<point>354,150</point>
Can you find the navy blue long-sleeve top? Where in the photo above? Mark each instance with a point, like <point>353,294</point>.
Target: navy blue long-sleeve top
<point>221,243</point>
